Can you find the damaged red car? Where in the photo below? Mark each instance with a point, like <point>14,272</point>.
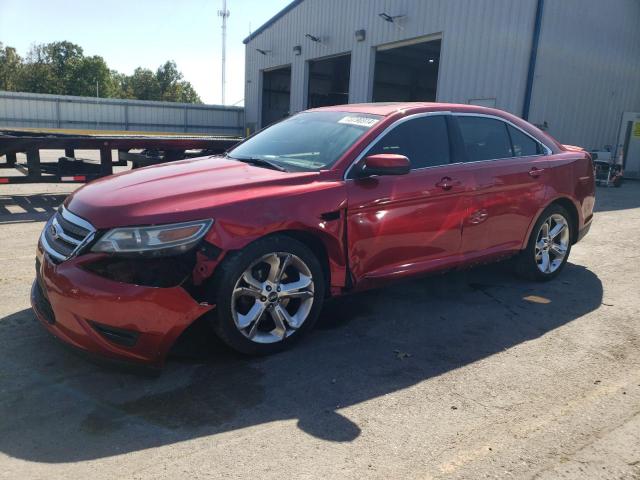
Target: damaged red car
<point>329,201</point>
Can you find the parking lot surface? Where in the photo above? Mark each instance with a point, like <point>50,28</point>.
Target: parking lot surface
<point>472,374</point>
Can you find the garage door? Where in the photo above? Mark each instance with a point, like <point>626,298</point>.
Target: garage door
<point>276,94</point>
<point>407,71</point>
<point>329,81</point>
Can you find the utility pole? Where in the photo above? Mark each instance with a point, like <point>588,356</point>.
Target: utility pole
<point>97,106</point>
<point>224,13</point>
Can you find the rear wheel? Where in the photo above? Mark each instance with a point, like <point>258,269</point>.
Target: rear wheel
<point>268,295</point>
<point>549,246</point>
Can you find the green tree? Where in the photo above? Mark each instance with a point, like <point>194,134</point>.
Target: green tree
<point>181,92</point>
<point>65,58</point>
<point>118,85</point>
<point>49,67</point>
<point>144,85</point>
<point>37,75</point>
<point>172,87</point>
<point>10,68</point>
<point>168,76</point>
<point>88,73</point>
<point>62,68</point>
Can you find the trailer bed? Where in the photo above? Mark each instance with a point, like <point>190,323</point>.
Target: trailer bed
<point>154,148</point>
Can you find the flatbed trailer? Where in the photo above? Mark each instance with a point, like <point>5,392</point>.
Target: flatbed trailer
<point>155,148</point>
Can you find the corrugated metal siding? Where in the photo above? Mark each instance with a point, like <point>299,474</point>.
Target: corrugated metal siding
<point>476,34</point>
<point>587,73</point>
<point>58,111</point>
<point>588,70</point>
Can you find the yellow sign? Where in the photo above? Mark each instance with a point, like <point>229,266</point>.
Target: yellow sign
<point>636,129</point>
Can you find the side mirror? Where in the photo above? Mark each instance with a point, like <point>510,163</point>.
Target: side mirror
<point>385,164</point>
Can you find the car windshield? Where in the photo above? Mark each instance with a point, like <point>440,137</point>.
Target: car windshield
<point>307,141</point>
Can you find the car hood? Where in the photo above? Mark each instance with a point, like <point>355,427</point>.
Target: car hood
<point>177,191</point>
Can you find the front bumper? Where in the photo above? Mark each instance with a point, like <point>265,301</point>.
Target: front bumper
<point>111,319</point>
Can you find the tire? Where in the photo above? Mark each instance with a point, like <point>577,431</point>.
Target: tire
<point>618,181</point>
<point>530,263</point>
<point>250,270</point>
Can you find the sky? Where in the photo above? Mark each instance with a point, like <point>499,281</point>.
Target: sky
<point>146,33</point>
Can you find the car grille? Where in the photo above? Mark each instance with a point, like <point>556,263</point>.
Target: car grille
<point>65,234</point>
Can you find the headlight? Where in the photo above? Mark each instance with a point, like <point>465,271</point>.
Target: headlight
<point>157,240</point>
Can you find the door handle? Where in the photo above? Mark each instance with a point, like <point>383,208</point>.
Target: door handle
<point>535,172</point>
<point>447,183</point>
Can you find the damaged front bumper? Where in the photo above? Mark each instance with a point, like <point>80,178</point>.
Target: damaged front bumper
<point>112,319</point>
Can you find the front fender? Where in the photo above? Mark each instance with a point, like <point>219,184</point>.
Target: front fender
<point>319,213</point>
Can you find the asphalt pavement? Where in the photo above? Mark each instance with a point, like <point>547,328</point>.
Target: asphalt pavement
<point>472,374</point>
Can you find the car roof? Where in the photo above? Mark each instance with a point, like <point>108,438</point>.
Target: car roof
<point>406,108</point>
<point>389,108</point>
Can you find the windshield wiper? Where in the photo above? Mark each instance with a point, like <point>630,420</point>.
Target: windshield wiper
<point>258,162</point>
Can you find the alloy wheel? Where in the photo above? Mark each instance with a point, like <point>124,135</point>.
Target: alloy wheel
<point>552,243</point>
<point>272,298</point>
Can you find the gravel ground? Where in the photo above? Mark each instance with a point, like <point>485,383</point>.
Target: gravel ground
<point>467,375</point>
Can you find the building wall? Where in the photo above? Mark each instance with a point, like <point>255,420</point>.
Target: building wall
<point>475,34</point>
<point>587,71</point>
<point>31,110</point>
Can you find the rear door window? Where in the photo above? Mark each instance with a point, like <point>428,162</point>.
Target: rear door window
<point>423,140</point>
<point>485,138</point>
<point>523,145</point>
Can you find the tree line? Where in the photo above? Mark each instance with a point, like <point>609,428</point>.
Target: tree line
<point>62,68</point>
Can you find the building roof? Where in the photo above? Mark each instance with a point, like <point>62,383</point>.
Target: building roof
<point>273,20</point>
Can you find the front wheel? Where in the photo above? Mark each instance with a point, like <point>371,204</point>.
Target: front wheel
<point>268,295</point>
<point>549,246</point>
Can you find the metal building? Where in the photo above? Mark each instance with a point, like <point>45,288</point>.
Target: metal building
<point>570,66</point>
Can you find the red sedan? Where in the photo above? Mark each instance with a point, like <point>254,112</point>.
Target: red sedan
<point>326,202</point>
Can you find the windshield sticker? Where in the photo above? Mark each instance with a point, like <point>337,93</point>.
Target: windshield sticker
<point>367,122</point>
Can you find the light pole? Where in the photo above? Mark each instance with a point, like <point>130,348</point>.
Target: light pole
<point>97,106</point>
<point>224,13</point>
